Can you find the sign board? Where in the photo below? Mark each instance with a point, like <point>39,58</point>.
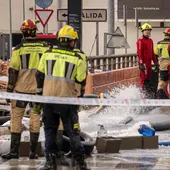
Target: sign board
<point>117,40</point>
<point>44,15</point>
<point>147,9</point>
<point>74,18</point>
<point>88,15</point>
<point>43,3</point>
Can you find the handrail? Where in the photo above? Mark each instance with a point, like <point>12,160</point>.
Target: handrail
<point>111,56</point>
<point>112,62</point>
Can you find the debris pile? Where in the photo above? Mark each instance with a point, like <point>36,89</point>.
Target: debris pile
<point>3,72</point>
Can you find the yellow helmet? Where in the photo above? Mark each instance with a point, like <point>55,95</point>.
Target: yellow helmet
<point>67,32</point>
<point>146,26</point>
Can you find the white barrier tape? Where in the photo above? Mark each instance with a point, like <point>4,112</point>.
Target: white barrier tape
<point>84,101</point>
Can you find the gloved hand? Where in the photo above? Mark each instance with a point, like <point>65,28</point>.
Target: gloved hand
<point>8,101</point>
<point>142,67</point>
<point>156,67</point>
<point>10,91</point>
<point>39,91</point>
<point>36,107</point>
<point>146,82</point>
<point>82,93</point>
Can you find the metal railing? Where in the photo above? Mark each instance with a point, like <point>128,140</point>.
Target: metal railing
<point>112,62</point>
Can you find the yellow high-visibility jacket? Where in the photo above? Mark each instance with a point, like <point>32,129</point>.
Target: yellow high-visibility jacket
<point>23,65</point>
<point>81,87</point>
<point>161,49</point>
<point>62,68</point>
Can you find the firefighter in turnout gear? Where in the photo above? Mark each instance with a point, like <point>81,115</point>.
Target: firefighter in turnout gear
<point>146,55</point>
<point>162,51</point>
<point>23,66</point>
<point>58,71</point>
<point>60,154</point>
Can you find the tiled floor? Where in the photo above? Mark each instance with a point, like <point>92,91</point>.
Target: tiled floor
<point>158,159</point>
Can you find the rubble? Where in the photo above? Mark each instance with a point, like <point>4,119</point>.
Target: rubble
<point>4,73</point>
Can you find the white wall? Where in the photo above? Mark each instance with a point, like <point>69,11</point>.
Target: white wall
<point>89,29</point>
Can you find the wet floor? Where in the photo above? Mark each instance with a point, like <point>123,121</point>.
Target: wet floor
<point>157,159</point>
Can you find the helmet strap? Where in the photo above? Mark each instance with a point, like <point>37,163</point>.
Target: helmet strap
<point>167,35</point>
<point>146,37</point>
<point>29,33</point>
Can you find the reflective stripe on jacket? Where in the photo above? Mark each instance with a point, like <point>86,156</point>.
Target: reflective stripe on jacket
<point>62,69</point>
<point>25,59</point>
<point>161,49</point>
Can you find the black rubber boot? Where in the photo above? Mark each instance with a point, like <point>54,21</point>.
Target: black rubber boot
<point>61,160</point>
<point>33,145</point>
<point>14,148</point>
<point>73,162</point>
<point>69,154</point>
<point>50,162</point>
<point>161,94</point>
<point>81,164</point>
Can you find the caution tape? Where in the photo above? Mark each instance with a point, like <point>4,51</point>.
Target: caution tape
<point>84,101</point>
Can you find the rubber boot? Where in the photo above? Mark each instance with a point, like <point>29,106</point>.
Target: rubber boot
<point>69,154</point>
<point>50,162</point>
<point>81,164</point>
<point>61,160</point>
<point>33,145</point>
<point>14,148</point>
<point>73,162</point>
<point>161,94</point>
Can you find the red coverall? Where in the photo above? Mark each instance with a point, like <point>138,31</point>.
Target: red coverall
<point>145,56</point>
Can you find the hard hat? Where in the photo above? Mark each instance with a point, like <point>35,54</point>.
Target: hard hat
<point>67,32</point>
<point>167,32</point>
<point>28,25</point>
<point>146,26</point>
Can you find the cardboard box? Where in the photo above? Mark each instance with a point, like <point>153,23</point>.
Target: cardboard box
<point>25,149</point>
<point>131,142</point>
<point>108,145</point>
<point>150,142</point>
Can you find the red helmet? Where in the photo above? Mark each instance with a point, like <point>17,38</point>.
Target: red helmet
<point>167,32</point>
<point>28,25</point>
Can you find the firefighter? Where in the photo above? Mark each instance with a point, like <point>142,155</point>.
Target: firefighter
<point>162,50</point>
<point>58,71</point>
<point>23,65</point>
<point>60,154</point>
<point>146,55</point>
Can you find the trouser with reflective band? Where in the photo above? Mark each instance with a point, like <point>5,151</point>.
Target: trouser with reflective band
<point>164,72</point>
<point>18,110</point>
<point>51,119</point>
<point>77,124</point>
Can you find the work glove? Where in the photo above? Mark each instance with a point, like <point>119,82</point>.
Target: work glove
<point>146,83</point>
<point>39,92</point>
<point>142,67</point>
<point>10,91</point>
<point>81,93</point>
<point>156,67</point>
<point>36,107</point>
<point>8,101</point>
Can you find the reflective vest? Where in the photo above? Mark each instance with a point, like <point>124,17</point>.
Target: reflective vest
<point>25,59</point>
<point>62,69</point>
<point>161,49</point>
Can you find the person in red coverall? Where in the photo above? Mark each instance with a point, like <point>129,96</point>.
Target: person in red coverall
<point>146,55</point>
